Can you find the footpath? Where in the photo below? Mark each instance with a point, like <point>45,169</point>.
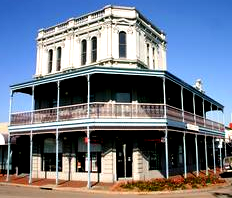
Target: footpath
<point>81,186</point>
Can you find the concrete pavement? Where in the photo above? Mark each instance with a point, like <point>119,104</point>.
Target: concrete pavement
<point>106,188</point>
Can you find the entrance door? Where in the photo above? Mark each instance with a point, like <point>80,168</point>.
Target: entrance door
<point>124,159</point>
<point>23,149</point>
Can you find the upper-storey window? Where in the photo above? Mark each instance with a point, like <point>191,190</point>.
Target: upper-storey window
<point>94,49</point>
<point>153,57</point>
<point>83,52</point>
<point>148,58</point>
<point>122,44</point>
<point>50,58</point>
<point>58,60</point>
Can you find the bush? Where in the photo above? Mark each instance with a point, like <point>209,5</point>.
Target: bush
<point>175,183</point>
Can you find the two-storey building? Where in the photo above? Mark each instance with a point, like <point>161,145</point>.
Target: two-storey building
<point>104,106</point>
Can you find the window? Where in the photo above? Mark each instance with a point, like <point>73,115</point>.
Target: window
<point>83,52</point>
<point>152,149</point>
<point>148,55</point>
<point>50,57</point>
<point>153,54</point>
<point>154,160</point>
<point>122,45</point>
<point>95,162</point>
<point>180,154</point>
<point>49,162</point>
<point>95,156</point>
<point>58,63</point>
<point>94,49</point>
<point>49,155</point>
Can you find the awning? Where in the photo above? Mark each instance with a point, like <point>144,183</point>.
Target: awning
<point>3,139</point>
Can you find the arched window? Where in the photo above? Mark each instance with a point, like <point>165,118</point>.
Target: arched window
<point>153,60</point>
<point>83,52</point>
<point>122,44</point>
<point>94,49</point>
<point>148,58</point>
<point>58,59</point>
<point>50,57</point>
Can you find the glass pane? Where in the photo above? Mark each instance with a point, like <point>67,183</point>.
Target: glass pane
<point>94,56</point>
<point>94,43</point>
<point>83,52</point>
<point>122,51</point>
<point>122,38</point>
<point>83,46</point>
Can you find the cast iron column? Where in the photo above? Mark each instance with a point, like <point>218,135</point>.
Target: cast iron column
<point>166,153</point>
<point>57,131</point>
<point>88,133</point>
<point>8,153</point>
<point>182,103</point>
<point>220,149</point>
<point>214,163</point>
<point>206,158</point>
<point>197,165</point>
<point>185,166</point>
<point>31,143</point>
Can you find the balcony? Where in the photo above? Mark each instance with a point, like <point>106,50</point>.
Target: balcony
<point>111,110</point>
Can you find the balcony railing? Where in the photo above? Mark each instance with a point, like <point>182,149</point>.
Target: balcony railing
<point>111,110</point>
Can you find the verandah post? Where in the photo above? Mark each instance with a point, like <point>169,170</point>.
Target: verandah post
<point>8,153</point>
<point>57,131</point>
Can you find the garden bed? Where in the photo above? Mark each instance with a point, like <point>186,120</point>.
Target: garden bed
<point>175,183</point>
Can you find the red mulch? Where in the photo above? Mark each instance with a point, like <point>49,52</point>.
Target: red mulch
<point>76,184</point>
<point>42,182</point>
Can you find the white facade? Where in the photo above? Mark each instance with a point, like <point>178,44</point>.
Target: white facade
<point>145,45</point>
<point>106,62</point>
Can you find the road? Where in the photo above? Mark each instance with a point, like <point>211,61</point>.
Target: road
<point>26,192</point>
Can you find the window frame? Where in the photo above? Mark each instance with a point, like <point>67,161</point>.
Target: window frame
<point>153,58</point>
<point>148,57</point>
<point>50,60</point>
<point>94,49</point>
<point>58,58</point>
<point>122,36</point>
<point>83,52</point>
<point>49,162</point>
<point>81,161</point>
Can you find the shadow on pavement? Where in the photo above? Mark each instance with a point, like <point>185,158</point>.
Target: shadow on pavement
<point>222,195</point>
<point>226,175</point>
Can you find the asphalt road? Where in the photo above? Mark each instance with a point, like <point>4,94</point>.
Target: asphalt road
<point>26,192</point>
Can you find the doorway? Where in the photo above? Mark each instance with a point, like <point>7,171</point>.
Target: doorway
<point>124,150</point>
<point>23,151</point>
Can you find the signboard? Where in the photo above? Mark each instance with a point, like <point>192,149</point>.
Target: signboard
<point>152,140</point>
<point>94,140</point>
<point>192,127</point>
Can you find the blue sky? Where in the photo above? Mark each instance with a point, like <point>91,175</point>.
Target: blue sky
<point>198,35</point>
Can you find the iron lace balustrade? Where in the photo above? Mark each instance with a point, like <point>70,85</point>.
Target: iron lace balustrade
<point>112,110</point>
<point>97,110</point>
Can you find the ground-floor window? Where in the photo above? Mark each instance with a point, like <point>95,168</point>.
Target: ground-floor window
<point>82,162</point>
<point>3,158</point>
<point>154,160</point>
<point>152,148</point>
<point>49,155</point>
<point>49,162</point>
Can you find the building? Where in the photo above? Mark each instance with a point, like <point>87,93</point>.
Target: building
<point>4,147</point>
<point>104,106</point>
<point>228,139</point>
